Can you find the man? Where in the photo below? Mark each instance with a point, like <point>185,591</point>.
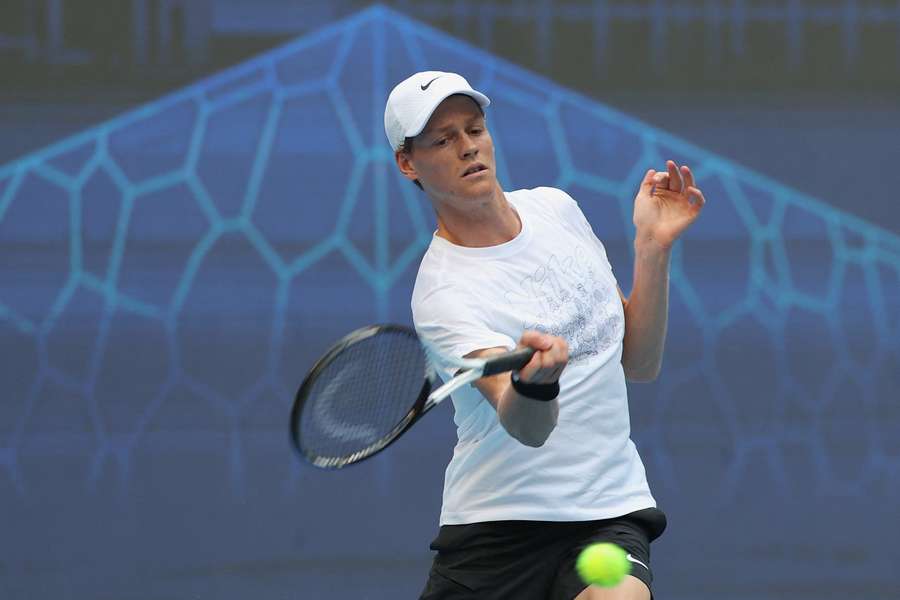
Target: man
<point>544,464</point>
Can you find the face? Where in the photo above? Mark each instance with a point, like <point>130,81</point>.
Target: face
<point>453,157</point>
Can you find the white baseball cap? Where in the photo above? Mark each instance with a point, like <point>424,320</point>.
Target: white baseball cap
<point>413,100</point>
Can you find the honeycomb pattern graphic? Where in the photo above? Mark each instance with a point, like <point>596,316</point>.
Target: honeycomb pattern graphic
<point>170,274</point>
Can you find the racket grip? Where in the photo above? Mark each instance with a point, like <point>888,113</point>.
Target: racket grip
<point>511,361</point>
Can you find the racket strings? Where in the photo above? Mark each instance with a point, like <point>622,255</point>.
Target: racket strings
<point>362,395</point>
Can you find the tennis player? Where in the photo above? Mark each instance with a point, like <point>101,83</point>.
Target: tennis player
<point>544,464</point>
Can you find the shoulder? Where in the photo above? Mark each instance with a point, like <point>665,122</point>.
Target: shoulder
<point>548,198</point>
<point>447,314</point>
<point>436,287</point>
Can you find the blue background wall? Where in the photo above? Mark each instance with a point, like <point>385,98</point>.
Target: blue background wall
<point>169,276</point>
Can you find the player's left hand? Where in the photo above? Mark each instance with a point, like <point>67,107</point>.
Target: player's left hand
<point>666,204</point>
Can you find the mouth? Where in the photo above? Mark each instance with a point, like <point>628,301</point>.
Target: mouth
<point>473,169</point>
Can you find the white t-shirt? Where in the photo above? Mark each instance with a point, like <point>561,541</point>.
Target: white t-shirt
<point>554,277</point>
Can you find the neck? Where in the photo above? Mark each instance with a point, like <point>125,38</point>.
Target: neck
<point>478,223</point>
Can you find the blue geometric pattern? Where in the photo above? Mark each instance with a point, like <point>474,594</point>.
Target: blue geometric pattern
<point>169,275</point>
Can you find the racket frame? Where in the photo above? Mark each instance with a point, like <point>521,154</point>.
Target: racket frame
<point>472,369</point>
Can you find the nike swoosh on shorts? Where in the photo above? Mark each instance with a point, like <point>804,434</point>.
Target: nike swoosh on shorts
<point>630,558</point>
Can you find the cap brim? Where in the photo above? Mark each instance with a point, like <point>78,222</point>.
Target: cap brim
<point>422,119</point>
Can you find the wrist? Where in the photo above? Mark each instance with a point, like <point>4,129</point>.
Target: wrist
<point>544,392</point>
<point>646,242</point>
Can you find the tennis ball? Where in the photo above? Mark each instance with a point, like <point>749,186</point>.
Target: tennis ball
<point>602,564</point>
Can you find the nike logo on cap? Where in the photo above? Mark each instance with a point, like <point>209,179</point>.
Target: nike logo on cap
<point>630,558</point>
<point>425,87</point>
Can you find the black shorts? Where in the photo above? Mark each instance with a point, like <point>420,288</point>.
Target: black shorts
<point>532,559</point>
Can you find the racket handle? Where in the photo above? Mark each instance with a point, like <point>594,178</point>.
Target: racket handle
<point>511,361</point>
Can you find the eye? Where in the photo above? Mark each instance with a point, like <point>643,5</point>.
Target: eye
<point>440,142</point>
<point>476,131</point>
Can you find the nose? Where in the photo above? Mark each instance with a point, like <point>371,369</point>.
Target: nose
<point>468,147</point>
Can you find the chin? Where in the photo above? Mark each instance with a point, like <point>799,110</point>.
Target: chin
<point>478,188</point>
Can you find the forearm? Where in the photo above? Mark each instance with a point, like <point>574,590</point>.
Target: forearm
<point>528,420</point>
<point>646,311</point>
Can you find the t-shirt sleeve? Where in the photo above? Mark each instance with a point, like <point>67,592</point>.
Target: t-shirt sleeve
<point>452,322</point>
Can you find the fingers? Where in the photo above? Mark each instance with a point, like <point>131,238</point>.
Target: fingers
<point>536,340</point>
<point>661,181</point>
<point>675,184</point>
<point>676,179</point>
<point>541,369</point>
<point>697,196</point>
<point>649,181</point>
<point>688,176</point>
<point>548,362</point>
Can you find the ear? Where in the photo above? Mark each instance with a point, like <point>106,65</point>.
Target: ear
<point>405,164</point>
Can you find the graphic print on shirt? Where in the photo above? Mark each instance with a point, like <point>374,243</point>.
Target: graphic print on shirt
<point>569,297</point>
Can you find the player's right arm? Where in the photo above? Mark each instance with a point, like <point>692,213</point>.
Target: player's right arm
<point>528,420</point>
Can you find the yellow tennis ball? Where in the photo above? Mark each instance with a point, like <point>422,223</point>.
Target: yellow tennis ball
<point>602,564</point>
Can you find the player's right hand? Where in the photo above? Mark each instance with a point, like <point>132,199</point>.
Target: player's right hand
<point>548,362</point>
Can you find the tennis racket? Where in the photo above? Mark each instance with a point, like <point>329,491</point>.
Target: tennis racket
<point>371,386</point>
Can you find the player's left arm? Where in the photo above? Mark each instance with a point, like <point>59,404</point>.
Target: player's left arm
<point>665,206</point>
